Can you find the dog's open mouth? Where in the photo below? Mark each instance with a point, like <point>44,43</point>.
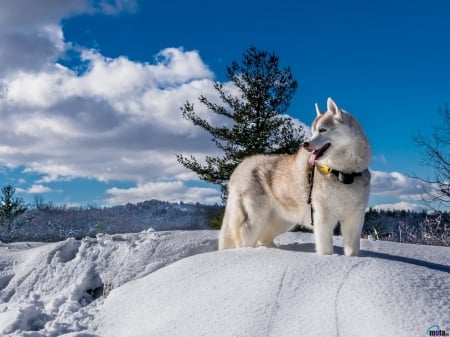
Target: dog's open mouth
<point>316,154</point>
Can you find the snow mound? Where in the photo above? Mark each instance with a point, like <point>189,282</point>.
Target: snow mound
<point>177,284</point>
<point>273,292</point>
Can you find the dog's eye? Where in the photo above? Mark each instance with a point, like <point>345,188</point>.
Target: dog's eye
<point>322,130</point>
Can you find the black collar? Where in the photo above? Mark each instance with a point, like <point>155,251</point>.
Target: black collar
<point>345,178</point>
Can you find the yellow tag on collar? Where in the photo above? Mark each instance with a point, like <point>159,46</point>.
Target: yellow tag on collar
<point>324,169</point>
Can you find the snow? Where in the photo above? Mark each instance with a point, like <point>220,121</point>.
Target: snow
<point>176,283</point>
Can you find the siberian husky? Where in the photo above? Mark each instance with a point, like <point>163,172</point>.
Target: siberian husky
<point>327,181</point>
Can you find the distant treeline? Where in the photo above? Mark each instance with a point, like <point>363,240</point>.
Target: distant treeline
<point>50,223</point>
<point>46,222</point>
<point>407,226</point>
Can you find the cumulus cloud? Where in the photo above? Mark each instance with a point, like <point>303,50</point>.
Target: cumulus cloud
<point>173,191</point>
<point>30,32</point>
<point>35,189</point>
<point>27,15</point>
<point>117,120</point>
<point>396,184</point>
<point>30,14</point>
<point>400,206</point>
<point>113,120</point>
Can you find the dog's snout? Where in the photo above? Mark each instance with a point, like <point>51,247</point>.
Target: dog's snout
<point>305,145</point>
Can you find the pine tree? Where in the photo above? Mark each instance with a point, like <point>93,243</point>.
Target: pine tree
<point>257,114</point>
<point>10,207</point>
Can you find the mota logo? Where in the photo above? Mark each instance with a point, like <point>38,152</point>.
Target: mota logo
<point>435,330</point>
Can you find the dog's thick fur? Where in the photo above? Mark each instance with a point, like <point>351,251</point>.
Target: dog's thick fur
<point>268,194</point>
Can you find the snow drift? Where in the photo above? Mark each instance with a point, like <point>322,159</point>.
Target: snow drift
<point>159,284</point>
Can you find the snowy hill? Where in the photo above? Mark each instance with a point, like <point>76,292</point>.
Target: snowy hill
<point>177,284</point>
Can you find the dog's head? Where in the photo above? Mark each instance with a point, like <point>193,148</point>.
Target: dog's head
<point>335,135</point>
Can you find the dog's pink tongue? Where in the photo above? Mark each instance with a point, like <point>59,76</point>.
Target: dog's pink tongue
<point>312,158</point>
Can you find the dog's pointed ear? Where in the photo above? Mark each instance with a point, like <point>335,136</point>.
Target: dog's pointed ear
<point>318,110</point>
<point>332,106</point>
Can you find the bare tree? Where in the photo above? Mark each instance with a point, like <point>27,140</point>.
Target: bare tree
<point>437,156</point>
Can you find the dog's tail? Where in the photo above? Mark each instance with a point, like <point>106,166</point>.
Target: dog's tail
<point>233,219</point>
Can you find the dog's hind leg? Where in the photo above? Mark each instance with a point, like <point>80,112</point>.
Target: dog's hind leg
<point>272,229</point>
<point>255,221</point>
<point>226,236</point>
<point>235,231</point>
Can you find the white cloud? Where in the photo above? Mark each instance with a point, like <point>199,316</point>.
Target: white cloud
<point>398,185</point>
<point>400,206</point>
<point>117,120</point>
<point>30,32</point>
<point>25,14</point>
<point>125,84</point>
<point>173,191</point>
<point>35,189</point>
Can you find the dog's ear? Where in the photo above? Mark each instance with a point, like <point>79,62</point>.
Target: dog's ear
<point>332,106</point>
<point>318,110</point>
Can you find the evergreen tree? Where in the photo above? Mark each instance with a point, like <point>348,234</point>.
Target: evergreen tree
<point>257,115</point>
<point>10,207</point>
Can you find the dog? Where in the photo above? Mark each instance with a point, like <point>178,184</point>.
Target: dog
<point>327,181</point>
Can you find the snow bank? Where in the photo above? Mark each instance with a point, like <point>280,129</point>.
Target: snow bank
<point>273,292</point>
<point>57,288</point>
<point>151,284</point>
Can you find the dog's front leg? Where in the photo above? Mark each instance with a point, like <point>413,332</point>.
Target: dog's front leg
<point>323,231</point>
<point>351,228</point>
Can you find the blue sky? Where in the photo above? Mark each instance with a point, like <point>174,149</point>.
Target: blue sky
<point>91,90</point>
